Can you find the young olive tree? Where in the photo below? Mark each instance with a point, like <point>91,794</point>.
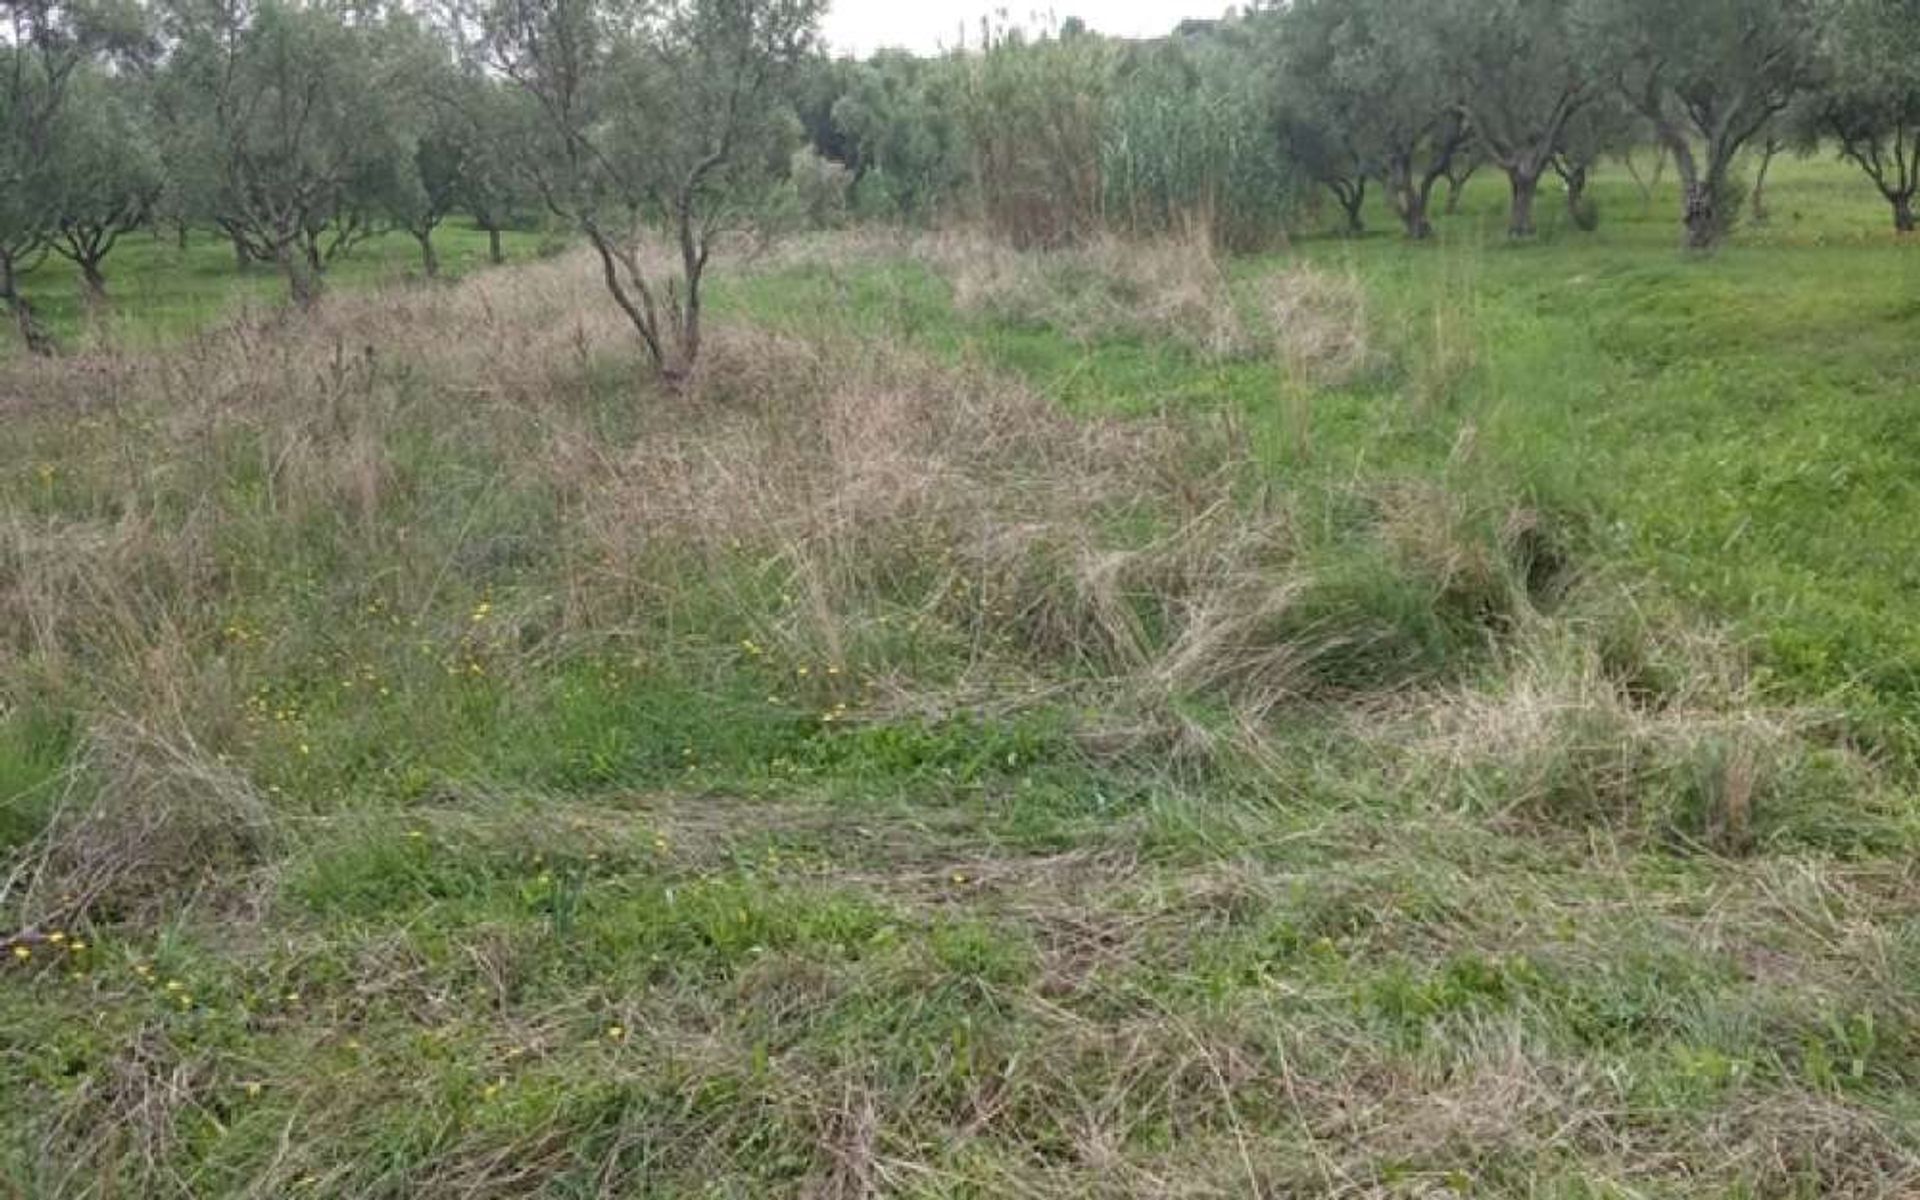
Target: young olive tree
<point>670,113</point>
<point>1313,122</point>
<point>1513,63</point>
<point>1708,76</point>
<point>1869,101</point>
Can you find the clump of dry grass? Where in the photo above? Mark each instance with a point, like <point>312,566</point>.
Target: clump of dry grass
<point>1485,561</point>
<point>880,495</point>
<point>145,822</point>
<point>1320,325</point>
<point>1557,738</point>
<point>1312,321</point>
<point>1107,288</point>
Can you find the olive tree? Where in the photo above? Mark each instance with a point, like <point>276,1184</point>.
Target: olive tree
<point>1708,76</point>
<point>1602,127</point>
<point>427,180</point>
<point>491,121</point>
<point>1513,64</point>
<point>104,173</point>
<point>1370,79</point>
<point>289,139</point>
<point>670,113</point>
<point>45,45</point>
<point>1868,103</point>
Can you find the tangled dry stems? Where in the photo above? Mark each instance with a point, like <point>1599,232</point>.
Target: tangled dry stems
<point>1311,321</point>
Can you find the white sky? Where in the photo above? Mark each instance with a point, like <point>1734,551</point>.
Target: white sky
<point>863,26</point>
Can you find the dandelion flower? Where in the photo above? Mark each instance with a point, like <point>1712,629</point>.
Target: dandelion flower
<point>23,953</point>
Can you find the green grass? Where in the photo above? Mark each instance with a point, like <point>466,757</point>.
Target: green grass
<point>159,292</point>
<point>468,772</point>
<point>1739,428</point>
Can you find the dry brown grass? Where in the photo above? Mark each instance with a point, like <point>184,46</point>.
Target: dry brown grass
<point>1321,330</point>
<point>1312,321</point>
<point>849,505</point>
<point>1108,288</point>
<point>1557,738</point>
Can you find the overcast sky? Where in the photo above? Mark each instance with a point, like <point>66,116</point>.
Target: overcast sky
<point>862,26</point>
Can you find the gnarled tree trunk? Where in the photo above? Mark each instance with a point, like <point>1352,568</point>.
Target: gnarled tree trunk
<point>303,279</point>
<point>1761,215</point>
<point>94,279</point>
<point>1526,186</point>
<point>1352,195</point>
<point>1903,213</point>
<point>1411,196</point>
<point>1457,184</point>
<point>32,334</point>
<point>1702,216</point>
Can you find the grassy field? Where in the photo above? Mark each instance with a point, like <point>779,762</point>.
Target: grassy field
<point>1376,720</point>
<point>159,292</point>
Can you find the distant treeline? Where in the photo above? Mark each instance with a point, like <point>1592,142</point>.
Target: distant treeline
<point>295,129</point>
